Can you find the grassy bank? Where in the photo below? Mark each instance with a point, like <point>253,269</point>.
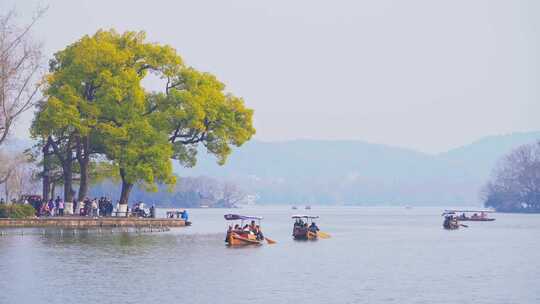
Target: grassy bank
<point>16,211</point>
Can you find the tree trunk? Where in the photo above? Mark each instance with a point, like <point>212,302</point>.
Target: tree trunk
<point>68,180</point>
<point>6,190</point>
<point>83,183</point>
<point>53,190</point>
<point>83,158</point>
<point>126,189</point>
<point>46,172</point>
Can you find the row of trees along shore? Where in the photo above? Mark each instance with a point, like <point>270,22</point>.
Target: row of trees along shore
<point>515,184</point>
<point>97,116</point>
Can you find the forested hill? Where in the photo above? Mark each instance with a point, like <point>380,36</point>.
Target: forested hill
<point>355,172</point>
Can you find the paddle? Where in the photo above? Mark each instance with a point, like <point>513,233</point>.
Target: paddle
<point>323,235</point>
<point>463,225</point>
<point>270,241</point>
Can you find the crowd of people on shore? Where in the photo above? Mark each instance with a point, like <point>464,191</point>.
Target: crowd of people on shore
<point>96,207</point>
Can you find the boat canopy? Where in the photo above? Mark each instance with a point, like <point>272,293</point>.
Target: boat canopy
<point>297,216</point>
<point>235,217</point>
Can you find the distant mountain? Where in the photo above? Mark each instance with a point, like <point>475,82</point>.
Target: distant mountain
<point>356,172</point>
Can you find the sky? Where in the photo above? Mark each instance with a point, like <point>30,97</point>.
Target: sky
<point>427,75</point>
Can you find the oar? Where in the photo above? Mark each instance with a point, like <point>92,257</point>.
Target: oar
<point>323,235</point>
<point>270,241</point>
<point>463,225</point>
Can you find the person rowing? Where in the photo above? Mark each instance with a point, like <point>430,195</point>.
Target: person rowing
<point>313,227</point>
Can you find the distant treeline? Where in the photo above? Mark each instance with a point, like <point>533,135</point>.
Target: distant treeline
<point>188,192</point>
<point>515,185</point>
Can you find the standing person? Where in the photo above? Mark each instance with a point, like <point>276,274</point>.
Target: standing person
<point>56,205</point>
<point>185,215</point>
<point>45,209</point>
<point>111,207</point>
<point>94,208</point>
<point>50,207</point>
<point>101,206</point>
<point>61,208</point>
<point>153,211</point>
<point>75,210</point>
<point>37,205</point>
<point>87,207</point>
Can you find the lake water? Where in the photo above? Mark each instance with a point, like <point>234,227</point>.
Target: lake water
<point>375,255</point>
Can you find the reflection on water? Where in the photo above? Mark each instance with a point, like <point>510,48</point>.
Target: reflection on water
<point>375,255</point>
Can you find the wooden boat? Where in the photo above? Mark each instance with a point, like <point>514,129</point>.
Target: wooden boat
<point>478,215</point>
<point>242,238</point>
<point>450,223</point>
<point>239,237</point>
<point>450,220</point>
<point>472,219</point>
<point>301,229</point>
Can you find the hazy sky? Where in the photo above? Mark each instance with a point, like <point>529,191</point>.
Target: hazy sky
<point>428,75</point>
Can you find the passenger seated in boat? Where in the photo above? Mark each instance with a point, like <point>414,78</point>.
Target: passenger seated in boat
<point>313,227</point>
<point>450,222</point>
<point>475,216</point>
<point>246,228</point>
<point>229,231</point>
<point>258,233</point>
<point>236,227</point>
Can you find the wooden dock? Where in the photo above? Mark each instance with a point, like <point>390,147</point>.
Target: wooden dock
<point>81,222</point>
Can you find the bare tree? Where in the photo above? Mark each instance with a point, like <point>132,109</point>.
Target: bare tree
<point>232,195</point>
<point>515,185</point>
<point>6,167</point>
<point>20,68</point>
<point>16,175</point>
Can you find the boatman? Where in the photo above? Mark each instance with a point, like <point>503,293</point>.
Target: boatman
<point>313,227</point>
<point>185,215</point>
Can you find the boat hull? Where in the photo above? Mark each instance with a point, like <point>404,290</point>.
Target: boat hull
<point>477,219</point>
<point>236,239</point>
<point>450,224</point>
<point>303,234</point>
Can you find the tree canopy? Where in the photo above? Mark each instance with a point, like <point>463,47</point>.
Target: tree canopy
<point>515,185</point>
<point>96,105</point>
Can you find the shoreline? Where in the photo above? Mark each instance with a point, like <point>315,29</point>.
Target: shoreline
<point>89,222</point>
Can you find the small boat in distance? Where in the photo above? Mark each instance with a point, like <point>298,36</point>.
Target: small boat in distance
<point>450,221</point>
<point>477,216</point>
<point>308,207</point>
<point>294,208</point>
<point>304,228</point>
<point>242,235</point>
